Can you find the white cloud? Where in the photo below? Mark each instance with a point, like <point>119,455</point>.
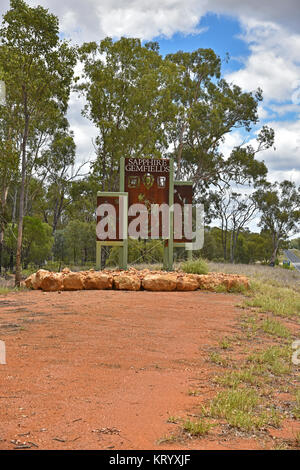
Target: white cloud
<point>84,132</point>
<point>231,140</point>
<point>273,62</point>
<point>282,160</point>
<point>286,156</point>
<point>93,19</point>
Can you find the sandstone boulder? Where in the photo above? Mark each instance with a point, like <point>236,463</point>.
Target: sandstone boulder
<point>97,280</point>
<point>30,281</point>
<point>49,282</point>
<point>187,283</point>
<point>73,281</point>
<point>212,281</point>
<point>160,282</point>
<point>128,281</point>
<point>234,282</point>
<point>39,276</point>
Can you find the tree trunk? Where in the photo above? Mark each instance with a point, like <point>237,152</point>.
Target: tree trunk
<point>3,222</point>
<point>234,239</point>
<point>179,153</point>
<point>11,257</point>
<point>224,240</point>
<point>18,275</point>
<point>274,254</point>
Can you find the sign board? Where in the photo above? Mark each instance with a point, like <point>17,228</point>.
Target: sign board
<point>147,182</point>
<point>118,225</point>
<point>148,194</point>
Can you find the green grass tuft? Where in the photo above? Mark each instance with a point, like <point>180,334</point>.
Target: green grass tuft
<point>296,409</point>
<point>216,358</point>
<point>275,328</point>
<point>280,301</point>
<point>274,360</point>
<point>197,428</point>
<point>235,378</point>
<point>197,266</point>
<point>239,407</point>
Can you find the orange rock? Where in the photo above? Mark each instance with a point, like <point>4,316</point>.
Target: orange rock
<point>126,281</point>
<point>30,281</point>
<point>160,282</point>
<point>187,283</point>
<point>49,282</point>
<point>132,280</point>
<point>73,281</point>
<point>97,280</point>
<point>213,280</point>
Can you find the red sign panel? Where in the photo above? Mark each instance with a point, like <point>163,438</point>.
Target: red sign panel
<point>147,183</point>
<point>117,224</point>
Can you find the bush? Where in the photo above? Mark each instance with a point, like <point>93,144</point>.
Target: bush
<point>197,266</point>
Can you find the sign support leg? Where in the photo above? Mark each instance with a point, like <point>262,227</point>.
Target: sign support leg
<point>171,212</point>
<point>123,250</point>
<point>98,256</point>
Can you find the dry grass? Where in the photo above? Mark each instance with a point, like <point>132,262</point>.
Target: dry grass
<point>277,276</point>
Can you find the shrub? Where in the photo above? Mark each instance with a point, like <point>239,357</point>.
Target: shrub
<point>197,266</point>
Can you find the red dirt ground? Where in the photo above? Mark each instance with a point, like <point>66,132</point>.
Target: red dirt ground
<point>105,369</point>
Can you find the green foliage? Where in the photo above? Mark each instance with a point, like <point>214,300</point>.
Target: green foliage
<point>197,266</point>
<point>128,88</point>
<point>295,243</point>
<point>37,241</point>
<point>233,379</point>
<point>251,247</point>
<point>140,103</point>
<point>76,242</point>
<point>296,409</point>
<point>279,204</point>
<point>207,109</point>
<point>275,328</point>
<point>37,68</point>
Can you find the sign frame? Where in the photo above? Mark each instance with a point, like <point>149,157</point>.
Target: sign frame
<point>169,244</point>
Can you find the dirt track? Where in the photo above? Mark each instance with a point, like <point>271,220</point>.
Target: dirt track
<point>105,369</point>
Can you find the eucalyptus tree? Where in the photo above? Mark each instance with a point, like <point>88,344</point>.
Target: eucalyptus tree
<point>129,97</point>
<point>208,108</point>
<point>38,70</point>
<point>279,204</point>
<point>9,159</point>
<point>233,202</point>
<point>234,210</point>
<point>57,162</point>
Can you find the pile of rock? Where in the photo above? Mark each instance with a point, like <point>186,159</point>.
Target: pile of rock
<point>133,280</point>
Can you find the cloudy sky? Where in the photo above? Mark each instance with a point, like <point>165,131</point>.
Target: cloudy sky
<point>261,37</point>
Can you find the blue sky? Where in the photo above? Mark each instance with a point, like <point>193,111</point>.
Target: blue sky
<point>220,33</point>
